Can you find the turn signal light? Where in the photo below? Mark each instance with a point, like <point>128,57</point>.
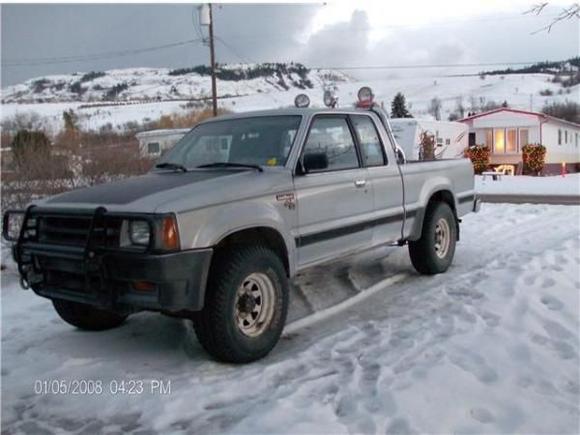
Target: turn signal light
<point>144,286</point>
<point>170,236</point>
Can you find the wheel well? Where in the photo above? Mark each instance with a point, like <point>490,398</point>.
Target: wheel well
<point>446,197</point>
<point>267,236</point>
<point>443,196</point>
<point>440,196</point>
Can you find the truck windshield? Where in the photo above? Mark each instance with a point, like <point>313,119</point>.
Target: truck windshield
<point>264,140</point>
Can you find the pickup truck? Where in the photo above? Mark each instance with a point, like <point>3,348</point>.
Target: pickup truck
<point>230,214</point>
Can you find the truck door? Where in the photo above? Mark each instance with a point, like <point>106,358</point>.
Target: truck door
<point>335,202</point>
<point>384,177</point>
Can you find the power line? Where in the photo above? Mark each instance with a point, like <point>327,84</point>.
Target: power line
<point>97,56</point>
<point>424,66</point>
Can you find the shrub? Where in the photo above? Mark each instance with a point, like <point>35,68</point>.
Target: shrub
<point>479,156</point>
<point>533,157</point>
<point>27,143</point>
<point>427,146</point>
<point>546,92</point>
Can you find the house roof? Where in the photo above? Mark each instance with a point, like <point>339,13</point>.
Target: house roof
<point>521,112</point>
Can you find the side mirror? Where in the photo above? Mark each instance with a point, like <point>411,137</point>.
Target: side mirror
<point>315,162</point>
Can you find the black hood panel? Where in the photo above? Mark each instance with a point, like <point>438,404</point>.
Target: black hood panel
<point>132,189</point>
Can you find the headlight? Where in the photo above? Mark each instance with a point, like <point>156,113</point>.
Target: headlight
<point>139,233</point>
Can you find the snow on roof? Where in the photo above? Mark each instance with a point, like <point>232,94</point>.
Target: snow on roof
<point>521,112</point>
<point>162,132</point>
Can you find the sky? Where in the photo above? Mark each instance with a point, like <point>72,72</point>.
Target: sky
<point>46,39</point>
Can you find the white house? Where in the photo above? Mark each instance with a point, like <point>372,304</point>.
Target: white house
<point>505,131</point>
<point>450,137</point>
<point>153,143</point>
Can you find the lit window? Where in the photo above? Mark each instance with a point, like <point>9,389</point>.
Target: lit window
<point>489,138</point>
<point>499,141</point>
<point>524,137</point>
<point>511,142</point>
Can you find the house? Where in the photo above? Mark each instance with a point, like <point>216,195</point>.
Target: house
<point>153,143</point>
<point>450,137</point>
<point>505,131</point>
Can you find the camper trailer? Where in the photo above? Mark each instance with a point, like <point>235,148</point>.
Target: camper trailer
<point>450,137</point>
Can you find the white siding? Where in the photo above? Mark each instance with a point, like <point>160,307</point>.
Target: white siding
<point>566,151</point>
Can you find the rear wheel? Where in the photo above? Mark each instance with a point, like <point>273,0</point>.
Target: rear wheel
<point>434,251</point>
<point>245,306</point>
<point>86,317</point>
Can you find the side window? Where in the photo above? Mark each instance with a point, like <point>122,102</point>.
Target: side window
<point>331,136</point>
<point>370,143</point>
<point>153,148</point>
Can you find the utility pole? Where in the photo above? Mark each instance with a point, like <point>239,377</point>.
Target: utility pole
<point>206,19</point>
<point>212,60</point>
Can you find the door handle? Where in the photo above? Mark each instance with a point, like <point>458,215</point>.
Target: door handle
<point>360,183</point>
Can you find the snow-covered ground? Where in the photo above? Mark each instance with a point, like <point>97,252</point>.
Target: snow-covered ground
<point>526,185</point>
<point>520,91</point>
<point>489,347</point>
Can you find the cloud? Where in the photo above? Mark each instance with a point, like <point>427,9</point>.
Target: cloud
<point>340,44</point>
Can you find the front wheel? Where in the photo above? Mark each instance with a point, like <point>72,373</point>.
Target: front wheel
<point>434,251</point>
<point>86,317</point>
<point>246,304</point>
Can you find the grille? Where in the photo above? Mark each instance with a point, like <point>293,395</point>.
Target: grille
<point>74,230</point>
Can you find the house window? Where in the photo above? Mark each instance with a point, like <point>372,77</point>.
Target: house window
<point>499,141</point>
<point>524,137</point>
<point>153,148</point>
<point>489,138</point>
<point>576,140</point>
<point>447,141</point>
<point>566,136</point>
<point>559,137</point>
<point>511,141</point>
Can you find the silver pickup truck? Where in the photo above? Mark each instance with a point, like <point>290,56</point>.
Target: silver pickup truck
<point>240,205</point>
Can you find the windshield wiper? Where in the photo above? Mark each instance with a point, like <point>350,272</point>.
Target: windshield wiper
<point>169,165</point>
<point>231,165</point>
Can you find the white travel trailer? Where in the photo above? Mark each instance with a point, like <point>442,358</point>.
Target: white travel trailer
<point>153,143</point>
<point>450,137</point>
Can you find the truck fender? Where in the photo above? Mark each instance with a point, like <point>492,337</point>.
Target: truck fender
<point>207,228</point>
<point>442,190</point>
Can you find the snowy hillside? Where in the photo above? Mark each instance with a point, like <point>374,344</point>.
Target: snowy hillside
<point>164,84</point>
<point>139,102</point>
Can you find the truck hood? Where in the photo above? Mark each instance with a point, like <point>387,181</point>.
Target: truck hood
<point>173,191</point>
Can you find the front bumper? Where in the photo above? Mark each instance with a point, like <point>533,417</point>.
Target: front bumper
<point>175,282</point>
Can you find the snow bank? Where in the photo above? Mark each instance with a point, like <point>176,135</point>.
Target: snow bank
<point>558,185</point>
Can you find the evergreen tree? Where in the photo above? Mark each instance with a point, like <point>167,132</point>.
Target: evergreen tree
<point>399,107</point>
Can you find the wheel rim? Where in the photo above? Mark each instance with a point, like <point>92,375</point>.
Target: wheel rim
<point>254,305</point>
<point>442,238</point>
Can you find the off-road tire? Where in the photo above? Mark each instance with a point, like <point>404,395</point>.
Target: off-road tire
<point>216,326</point>
<point>87,317</point>
<point>423,252</point>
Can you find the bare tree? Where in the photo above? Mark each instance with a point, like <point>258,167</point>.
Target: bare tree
<point>434,108</point>
<point>569,13</point>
